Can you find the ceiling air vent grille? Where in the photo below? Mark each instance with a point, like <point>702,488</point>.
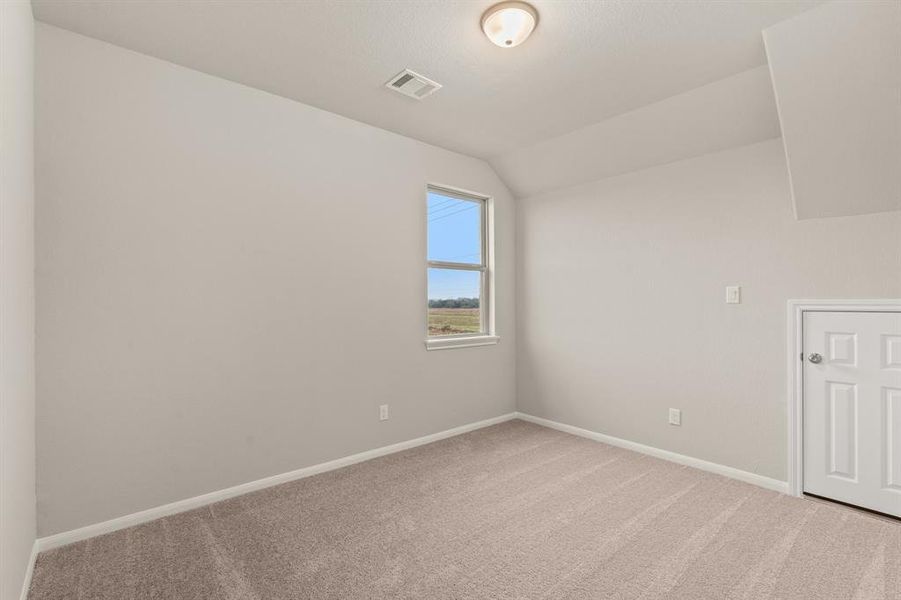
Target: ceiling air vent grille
<point>413,84</point>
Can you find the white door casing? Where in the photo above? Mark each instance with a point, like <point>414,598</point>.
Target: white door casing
<point>852,408</point>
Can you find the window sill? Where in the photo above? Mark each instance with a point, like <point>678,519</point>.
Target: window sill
<point>461,342</point>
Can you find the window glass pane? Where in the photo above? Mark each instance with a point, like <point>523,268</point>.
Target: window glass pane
<point>455,229</point>
<point>454,302</point>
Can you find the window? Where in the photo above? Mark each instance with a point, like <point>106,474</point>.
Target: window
<point>459,275</point>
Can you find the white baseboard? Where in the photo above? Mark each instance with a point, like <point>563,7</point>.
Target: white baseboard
<point>29,571</point>
<point>89,531</point>
<point>697,463</point>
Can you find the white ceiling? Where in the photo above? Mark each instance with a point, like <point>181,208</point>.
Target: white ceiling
<point>734,111</point>
<point>840,111</point>
<point>586,61</point>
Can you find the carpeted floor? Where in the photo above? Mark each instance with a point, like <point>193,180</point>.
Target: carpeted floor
<point>512,511</point>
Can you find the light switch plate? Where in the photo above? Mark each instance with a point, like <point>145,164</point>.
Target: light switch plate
<point>733,294</point>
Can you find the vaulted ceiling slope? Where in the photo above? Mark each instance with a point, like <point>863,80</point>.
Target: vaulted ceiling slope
<point>837,76</point>
<point>734,111</point>
<point>586,62</point>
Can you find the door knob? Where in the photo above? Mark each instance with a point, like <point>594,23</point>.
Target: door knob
<point>815,358</point>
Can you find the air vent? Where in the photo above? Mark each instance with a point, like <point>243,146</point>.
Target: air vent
<point>413,84</point>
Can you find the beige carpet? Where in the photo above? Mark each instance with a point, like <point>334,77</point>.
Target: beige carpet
<point>512,511</point>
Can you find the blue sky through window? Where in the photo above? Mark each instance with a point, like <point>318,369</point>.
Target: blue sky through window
<point>454,236</point>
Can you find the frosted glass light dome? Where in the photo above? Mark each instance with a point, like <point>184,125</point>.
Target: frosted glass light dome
<point>509,24</point>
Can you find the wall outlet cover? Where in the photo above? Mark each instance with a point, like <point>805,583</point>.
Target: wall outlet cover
<point>675,416</point>
<point>733,294</point>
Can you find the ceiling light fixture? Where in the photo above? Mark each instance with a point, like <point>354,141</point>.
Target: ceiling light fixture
<point>509,24</point>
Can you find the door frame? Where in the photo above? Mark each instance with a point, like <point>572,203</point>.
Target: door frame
<point>796,310</point>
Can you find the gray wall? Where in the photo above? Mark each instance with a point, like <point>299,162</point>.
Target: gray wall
<point>621,312</point>
<point>229,284</point>
<point>17,504</point>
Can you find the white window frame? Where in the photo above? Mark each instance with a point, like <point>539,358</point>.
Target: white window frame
<point>487,336</point>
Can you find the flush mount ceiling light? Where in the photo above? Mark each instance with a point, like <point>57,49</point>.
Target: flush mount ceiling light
<point>509,24</point>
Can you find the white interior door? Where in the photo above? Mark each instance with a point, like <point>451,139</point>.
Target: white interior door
<point>852,408</point>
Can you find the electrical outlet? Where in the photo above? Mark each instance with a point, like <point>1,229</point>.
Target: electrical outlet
<point>733,294</point>
<point>675,416</point>
<point>383,412</point>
